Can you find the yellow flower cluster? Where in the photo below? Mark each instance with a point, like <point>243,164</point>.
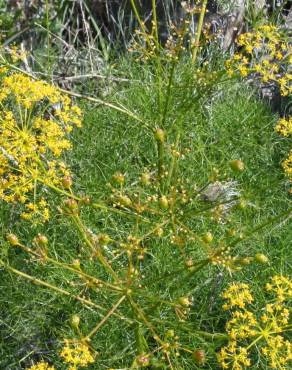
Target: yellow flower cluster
<point>237,295</point>
<point>284,126</point>
<point>263,53</point>
<point>264,328</point>
<point>287,165</point>
<point>281,286</point>
<point>41,366</point>
<point>76,354</point>
<point>35,120</point>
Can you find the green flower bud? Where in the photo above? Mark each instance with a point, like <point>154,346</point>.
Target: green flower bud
<point>163,202</point>
<point>71,205</point>
<point>159,232</point>
<point>119,178</point>
<point>190,263</point>
<point>143,360</point>
<point>208,237</point>
<point>75,321</point>
<point>159,135</point>
<point>145,178</point>
<point>261,258</point>
<point>12,239</point>
<point>104,239</point>
<point>41,240</point>
<point>237,165</point>
<point>76,264</point>
<point>244,261</point>
<point>242,204</point>
<point>124,200</point>
<point>184,301</point>
<point>67,182</point>
<point>170,333</point>
<point>86,200</point>
<point>231,232</point>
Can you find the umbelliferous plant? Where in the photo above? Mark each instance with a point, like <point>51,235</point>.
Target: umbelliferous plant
<point>127,272</point>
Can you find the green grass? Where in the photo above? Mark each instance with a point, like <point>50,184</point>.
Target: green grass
<point>230,124</point>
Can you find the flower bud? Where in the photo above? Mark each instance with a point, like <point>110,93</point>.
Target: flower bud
<point>199,356</point>
<point>261,258</point>
<point>75,321</point>
<point>242,204</point>
<point>76,264</point>
<point>159,135</point>
<point>143,360</point>
<point>231,232</point>
<point>163,202</point>
<point>244,261</point>
<point>119,178</point>
<point>104,239</point>
<point>71,205</point>
<point>236,165</point>
<point>170,333</point>
<point>189,263</point>
<point>159,232</point>
<point>124,200</point>
<point>184,301</point>
<point>86,200</point>
<point>208,237</point>
<point>41,240</point>
<point>145,178</point>
<point>67,182</point>
<point>12,239</point>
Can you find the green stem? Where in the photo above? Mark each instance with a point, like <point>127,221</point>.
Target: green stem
<point>155,24</point>
<point>36,281</point>
<point>160,149</point>
<point>50,286</point>
<point>95,205</point>
<point>137,15</point>
<point>94,249</point>
<point>105,318</point>
<point>89,278</point>
<point>142,316</point>
<point>270,221</point>
<point>212,335</point>
<point>254,342</point>
<point>168,93</point>
<point>199,31</point>
<point>173,164</point>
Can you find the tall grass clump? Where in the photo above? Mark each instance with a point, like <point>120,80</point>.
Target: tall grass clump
<point>146,247</point>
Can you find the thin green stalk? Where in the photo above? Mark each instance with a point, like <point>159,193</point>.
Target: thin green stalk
<point>173,164</point>
<point>105,318</point>
<point>160,149</point>
<point>142,316</point>
<point>199,31</point>
<point>155,23</point>
<point>211,335</point>
<point>168,93</point>
<point>97,250</point>
<point>137,15</point>
<point>107,104</point>
<point>80,273</point>
<point>270,221</point>
<point>61,291</point>
<point>94,204</point>
<point>176,272</point>
<point>50,286</point>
